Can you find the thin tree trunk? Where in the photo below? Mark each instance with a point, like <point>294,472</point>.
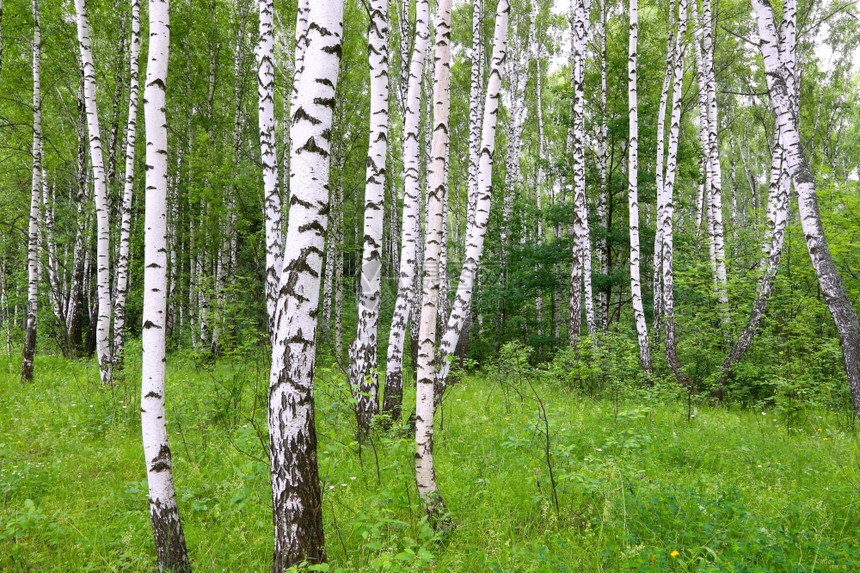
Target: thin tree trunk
<point>475,238</point>
<point>268,154</point>
<point>103,343</point>
<point>363,363</point>
<point>164,513</point>
<point>428,360</point>
<point>602,174</point>
<point>393,398</point>
<point>296,495</point>
<point>633,191</point>
<point>666,202</point>
<point>122,262</point>
<point>35,214</point>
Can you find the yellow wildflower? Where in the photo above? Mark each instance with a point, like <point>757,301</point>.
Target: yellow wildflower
<point>674,553</point>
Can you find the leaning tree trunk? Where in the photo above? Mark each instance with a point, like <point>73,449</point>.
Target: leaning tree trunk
<point>163,511</point>
<point>128,189</point>
<point>633,191</point>
<point>35,214</point>
<point>425,475</point>
<point>363,361</point>
<point>268,154</point>
<point>829,279</point>
<point>296,495</point>
<point>475,238</point>
<point>393,398</point>
<point>103,343</point>
<point>778,204</point>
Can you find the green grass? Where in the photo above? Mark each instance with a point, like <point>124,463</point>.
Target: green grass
<point>728,489</point>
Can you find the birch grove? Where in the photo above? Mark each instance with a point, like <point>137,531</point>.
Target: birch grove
<point>494,203</point>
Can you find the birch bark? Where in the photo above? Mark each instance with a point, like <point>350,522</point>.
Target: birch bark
<point>393,397</point>
<point>35,214</point>
<point>363,363</point>
<point>122,262</point>
<point>633,190</point>
<point>103,344</point>
<point>296,496</point>
<point>163,511</point>
<point>829,279</point>
<point>475,238</point>
<point>425,475</point>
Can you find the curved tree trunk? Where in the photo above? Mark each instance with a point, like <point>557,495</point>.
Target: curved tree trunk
<point>296,496</point>
<point>163,511</point>
<point>829,279</point>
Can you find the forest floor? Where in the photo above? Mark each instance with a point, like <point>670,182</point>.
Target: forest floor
<point>643,482</point>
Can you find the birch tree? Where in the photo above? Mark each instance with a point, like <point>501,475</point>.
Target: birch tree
<point>363,371</point>
<point>266,120</point>
<point>829,279</point>
<point>633,189</point>
<point>122,261</point>
<point>425,474</point>
<point>296,496</point>
<point>163,511</point>
<point>666,202</point>
<point>475,238</point>
<point>393,397</point>
<point>35,213</point>
<point>103,344</point>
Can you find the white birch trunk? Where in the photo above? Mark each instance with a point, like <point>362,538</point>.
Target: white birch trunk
<point>428,360</point>
<point>296,496</point>
<point>829,279</point>
<point>103,343</point>
<point>475,238</point>
<point>393,397</point>
<point>122,262</point>
<point>268,154</point>
<point>35,214</point>
<point>163,511</point>
<point>603,173</point>
<point>666,202</point>
<point>363,363</point>
<point>633,190</point>
<point>475,108</point>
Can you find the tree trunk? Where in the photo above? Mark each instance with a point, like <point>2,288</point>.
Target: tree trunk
<point>164,513</point>
<point>363,364</point>
<point>35,214</point>
<point>475,238</point>
<point>296,496</point>
<point>829,279</point>
<point>393,398</point>
<point>122,262</point>
<point>268,154</point>
<point>428,360</point>
<point>633,191</point>
<point>103,343</point>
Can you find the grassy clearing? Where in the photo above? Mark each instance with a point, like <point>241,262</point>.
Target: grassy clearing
<point>644,482</point>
